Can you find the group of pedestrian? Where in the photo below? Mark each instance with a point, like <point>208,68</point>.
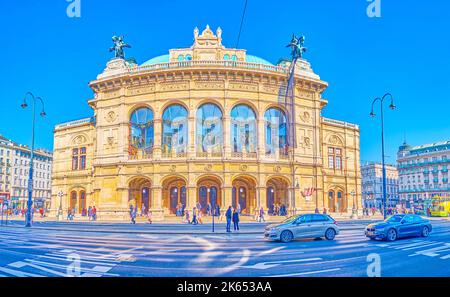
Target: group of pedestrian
<point>180,210</point>
<point>279,209</point>
<point>92,213</point>
<point>232,215</point>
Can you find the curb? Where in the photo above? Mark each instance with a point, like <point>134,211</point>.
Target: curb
<point>165,232</point>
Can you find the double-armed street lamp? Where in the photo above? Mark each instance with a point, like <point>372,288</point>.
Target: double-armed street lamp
<point>30,180</point>
<point>372,114</point>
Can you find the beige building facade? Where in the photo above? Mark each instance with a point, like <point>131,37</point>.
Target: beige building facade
<point>205,125</point>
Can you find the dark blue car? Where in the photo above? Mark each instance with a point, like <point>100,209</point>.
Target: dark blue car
<point>399,226</point>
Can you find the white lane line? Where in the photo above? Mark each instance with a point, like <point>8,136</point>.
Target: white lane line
<point>306,273</point>
<point>400,247</point>
<point>18,273</point>
<point>432,252</point>
<point>64,267</point>
<point>421,246</point>
<point>271,251</point>
<point>81,260</point>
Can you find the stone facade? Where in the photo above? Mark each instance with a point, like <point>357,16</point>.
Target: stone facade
<point>372,185</point>
<point>423,171</point>
<point>14,174</point>
<point>170,167</point>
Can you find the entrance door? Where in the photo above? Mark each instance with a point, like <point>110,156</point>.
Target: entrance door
<point>146,198</point>
<point>213,196</point>
<point>270,199</point>
<point>243,198</point>
<point>203,197</point>
<point>173,199</point>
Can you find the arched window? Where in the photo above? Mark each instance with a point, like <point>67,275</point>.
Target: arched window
<point>141,131</point>
<point>243,129</point>
<point>188,58</point>
<point>180,58</point>
<point>209,128</point>
<point>276,130</point>
<point>73,200</point>
<point>234,58</point>
<point>175,130</point>
<point>226,57</point>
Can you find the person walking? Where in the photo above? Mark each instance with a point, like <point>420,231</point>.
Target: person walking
<point>149,217</point>
<point>94,213</point>
<point>194,216</point>
<point>199,217</point>
<point>229,215</point>
<point>133,214</point>
<point>89,213</point>
<point>236,220</point>
<point>261,215</point>
<point>187,217</point>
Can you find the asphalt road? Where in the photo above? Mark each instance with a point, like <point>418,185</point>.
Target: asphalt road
<point>87,250</point>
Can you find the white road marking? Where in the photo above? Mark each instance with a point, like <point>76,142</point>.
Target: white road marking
<point>267,265</point>
<point>306,273</point>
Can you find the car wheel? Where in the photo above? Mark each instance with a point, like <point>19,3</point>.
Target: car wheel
<point>391,235</point>
<point>425,231</point>
<point>286,236</point>
<point>330,234</point>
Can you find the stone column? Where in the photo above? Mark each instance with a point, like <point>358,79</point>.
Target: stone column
<point>191,199</point>
<point>191,136</point>
<point>261,137</point>
<point>156,203</point>
<point>157,139</point>
<point>227,197</point>
<point>227,136</point>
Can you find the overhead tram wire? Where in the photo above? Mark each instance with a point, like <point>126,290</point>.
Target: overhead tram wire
<point>242,23</point>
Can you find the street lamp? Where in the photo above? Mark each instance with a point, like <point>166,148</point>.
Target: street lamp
<point>354,210</point>
<point>372,114</point>
<point>60,210</point>
<point>30,181</point>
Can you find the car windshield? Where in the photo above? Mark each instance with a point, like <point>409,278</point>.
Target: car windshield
<point>291,219</point>
<point>394,219</point>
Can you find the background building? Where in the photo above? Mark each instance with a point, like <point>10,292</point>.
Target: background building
<point>372,185</point>
<point>205,124</point>
<point>14,173</point>
<point>423,171</point>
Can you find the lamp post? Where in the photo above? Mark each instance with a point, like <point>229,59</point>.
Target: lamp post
<point>60,210</point>
<point>372,114</point>
<point>30,181</point>
<point>354,210</point>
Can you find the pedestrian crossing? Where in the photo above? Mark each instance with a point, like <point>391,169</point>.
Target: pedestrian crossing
<point>40,253</point>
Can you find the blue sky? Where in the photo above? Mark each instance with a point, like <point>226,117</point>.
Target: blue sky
<point>405,52</point>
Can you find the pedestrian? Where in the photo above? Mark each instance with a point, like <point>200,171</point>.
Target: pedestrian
<point>199,217</point>
<point>324,211</point>
<point>236,220</point>
<point>261,215</point>
<point>89,213</point>
<point>149,217</point>
<point>143,210</point>
<point>194,216</point>
<point>208,209</point>
<point>229,215</point>
<point>94,213</point>
<point>238,209</point>
<point>132,214</point>
<point>187,217</point>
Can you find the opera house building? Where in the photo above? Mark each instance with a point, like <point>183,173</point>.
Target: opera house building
<point>205,125</point>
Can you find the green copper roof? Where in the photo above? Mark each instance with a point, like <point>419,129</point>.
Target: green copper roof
<point>256,60</point>
<point>165,59</point>
<point>157,60</point>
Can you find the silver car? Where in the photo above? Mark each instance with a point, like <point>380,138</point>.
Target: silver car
<point>303,226</point>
